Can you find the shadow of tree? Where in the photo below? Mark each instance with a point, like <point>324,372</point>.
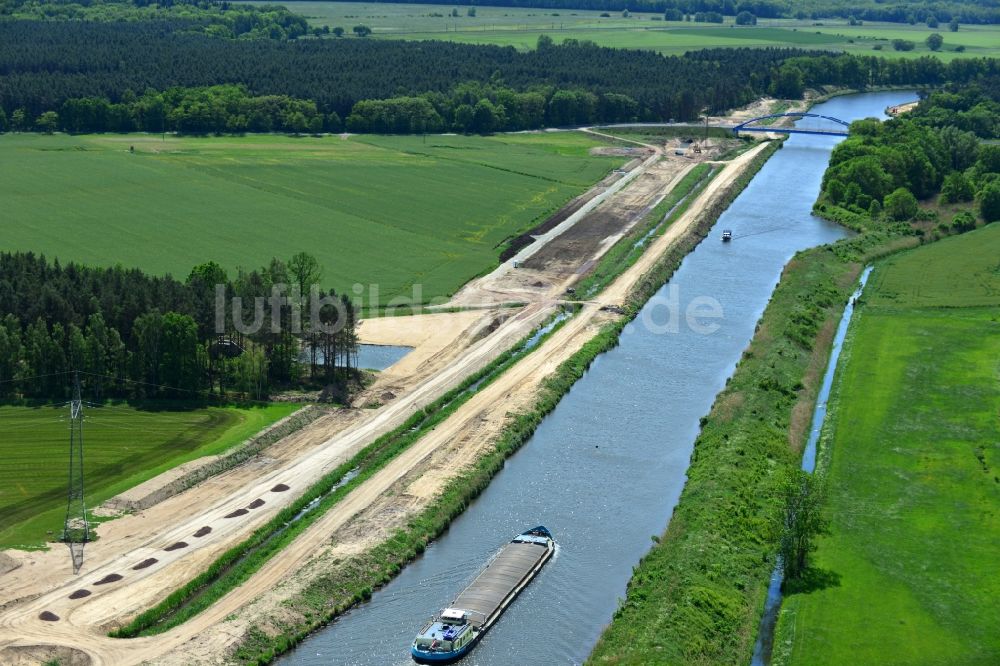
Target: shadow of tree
<point>813,579</point>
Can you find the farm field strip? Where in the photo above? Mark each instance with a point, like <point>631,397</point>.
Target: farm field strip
<point>909,449</point>
<point>391,211</point>
<point>124,446</point>
<point>521,27</point>
<point>680,41</point>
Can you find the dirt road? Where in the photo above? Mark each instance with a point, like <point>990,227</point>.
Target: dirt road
<point>558,258</point>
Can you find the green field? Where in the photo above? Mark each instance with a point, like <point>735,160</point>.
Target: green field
<point>386,211</point>
<point>912,451</point>
<point>124,446</point>
<point>518,27</point>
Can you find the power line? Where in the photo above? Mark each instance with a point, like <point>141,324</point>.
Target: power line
<point>134,381</point>
<point>27,379</point>
<point>100,375</point>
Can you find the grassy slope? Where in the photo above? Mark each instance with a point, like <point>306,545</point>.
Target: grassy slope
<point>124,446</point>
<point>509,26</point>
<point>392,211</point>
<point>911,453</point>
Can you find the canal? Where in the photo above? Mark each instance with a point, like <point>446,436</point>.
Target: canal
<point>605,469</point>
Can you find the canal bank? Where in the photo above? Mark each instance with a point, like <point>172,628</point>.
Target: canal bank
<point>608,464</point>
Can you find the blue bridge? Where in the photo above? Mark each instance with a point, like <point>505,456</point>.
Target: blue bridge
<point>835,126</point>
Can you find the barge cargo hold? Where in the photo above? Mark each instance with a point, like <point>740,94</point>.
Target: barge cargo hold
<point>455,630</point>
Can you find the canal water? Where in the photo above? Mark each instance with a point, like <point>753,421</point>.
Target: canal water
<point>605,469</point>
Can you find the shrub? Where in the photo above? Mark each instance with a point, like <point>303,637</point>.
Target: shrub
<point>48,122</point>
<point>900,204</point>
<point>964,221</point>
<point>988,160</point>
<point>957,188</point>
<point>835,191</point>
<point>708,17</point>
<point>989,202</point>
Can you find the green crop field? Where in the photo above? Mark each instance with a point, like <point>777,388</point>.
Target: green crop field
<point>123,446</point>
<point>978,40</point>
<point>520,27</point>
<point>912,452</point>
<point>386,211</point>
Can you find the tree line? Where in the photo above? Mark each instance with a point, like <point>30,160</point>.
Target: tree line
<point>795,74</point>
<point>883,169</point>
<point>214,109</point>
<point>153,76</point>
<point>218,18</point>
<point>913,11</point>
<point>470,107</point>
<point>133,335</point>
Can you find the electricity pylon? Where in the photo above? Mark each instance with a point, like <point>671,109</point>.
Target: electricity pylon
<point>76,530</point>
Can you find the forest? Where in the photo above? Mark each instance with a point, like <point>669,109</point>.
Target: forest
<point>916,11</point>
<point>861,72</point>
<point>212,17</point>
<point>155,76</point>
<point>136,336</point>
<point>42,65</point>
<point>933,154</point>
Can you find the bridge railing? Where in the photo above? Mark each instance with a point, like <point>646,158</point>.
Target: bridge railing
<point>840,128</point>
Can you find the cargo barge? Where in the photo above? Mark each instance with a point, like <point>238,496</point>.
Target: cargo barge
<point>453,633</point>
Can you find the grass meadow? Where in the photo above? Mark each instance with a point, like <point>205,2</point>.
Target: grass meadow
<point>392,211</point>
<point>123,446</point>
<point>911,452</point>
<point>520,27</point>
